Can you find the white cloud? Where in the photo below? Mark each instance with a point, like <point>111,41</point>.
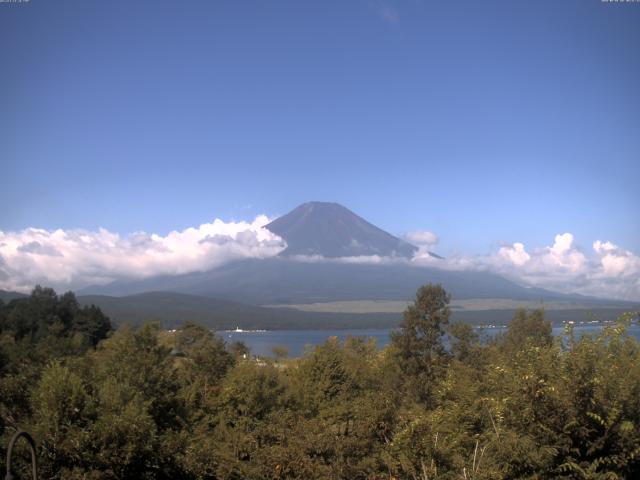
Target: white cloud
<point>562,244</point>
<point>425,241</point>
<point>609,272</point>
<point>515,254</point>
<point>550,267</point>
<point>77,258</point>
<point>561,259</point>
<point>617,263</point>
<point>359,259</point>
<point>421,238</point>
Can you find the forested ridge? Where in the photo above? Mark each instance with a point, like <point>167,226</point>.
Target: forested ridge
<point>143,403</point>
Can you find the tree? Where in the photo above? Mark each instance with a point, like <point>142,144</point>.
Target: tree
<point>62,410</point>
<point>418,345</point>
<point>528,327</point>
<point>464,342</point>
<point>46,316</point>
<point>202,363</point>
<point>92,324</point>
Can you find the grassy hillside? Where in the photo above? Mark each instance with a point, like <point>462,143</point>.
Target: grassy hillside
<point>172,309</point>
<point>477,304</point>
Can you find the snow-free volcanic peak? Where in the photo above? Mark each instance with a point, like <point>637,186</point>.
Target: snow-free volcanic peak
<point>331,230</point>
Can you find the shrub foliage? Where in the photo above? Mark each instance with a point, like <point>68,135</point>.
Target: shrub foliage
<point>140,402</point>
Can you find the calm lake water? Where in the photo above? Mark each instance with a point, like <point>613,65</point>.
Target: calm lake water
<point>261,343</point>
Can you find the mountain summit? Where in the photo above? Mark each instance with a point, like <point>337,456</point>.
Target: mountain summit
<point>331,230</point>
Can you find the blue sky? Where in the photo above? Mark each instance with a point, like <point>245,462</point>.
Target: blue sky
<point>486,122</point>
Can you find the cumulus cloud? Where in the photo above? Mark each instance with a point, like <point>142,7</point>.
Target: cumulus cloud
<point>421,238</point>
<point>77,258</point>
<point>425,241</point>
<point>515,254</point>
<point>560,258</point>
<point>615,261</point>
<point>608,271</point>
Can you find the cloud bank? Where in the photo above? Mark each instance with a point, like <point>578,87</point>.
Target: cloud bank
<point>71,259</point>
<point>607,271</point>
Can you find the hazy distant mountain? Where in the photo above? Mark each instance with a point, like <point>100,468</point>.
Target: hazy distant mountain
<point>282,281</point>
<point>7,296</point>
<point>331,230</point>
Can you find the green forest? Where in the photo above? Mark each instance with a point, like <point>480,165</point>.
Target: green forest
<point>141,402</point>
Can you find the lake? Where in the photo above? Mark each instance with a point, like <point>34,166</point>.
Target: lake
<point>262,342</point>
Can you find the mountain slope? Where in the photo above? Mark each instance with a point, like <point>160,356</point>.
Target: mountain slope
<point>6,295</point>
<point>331,230</point>
<point>282,281</point>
